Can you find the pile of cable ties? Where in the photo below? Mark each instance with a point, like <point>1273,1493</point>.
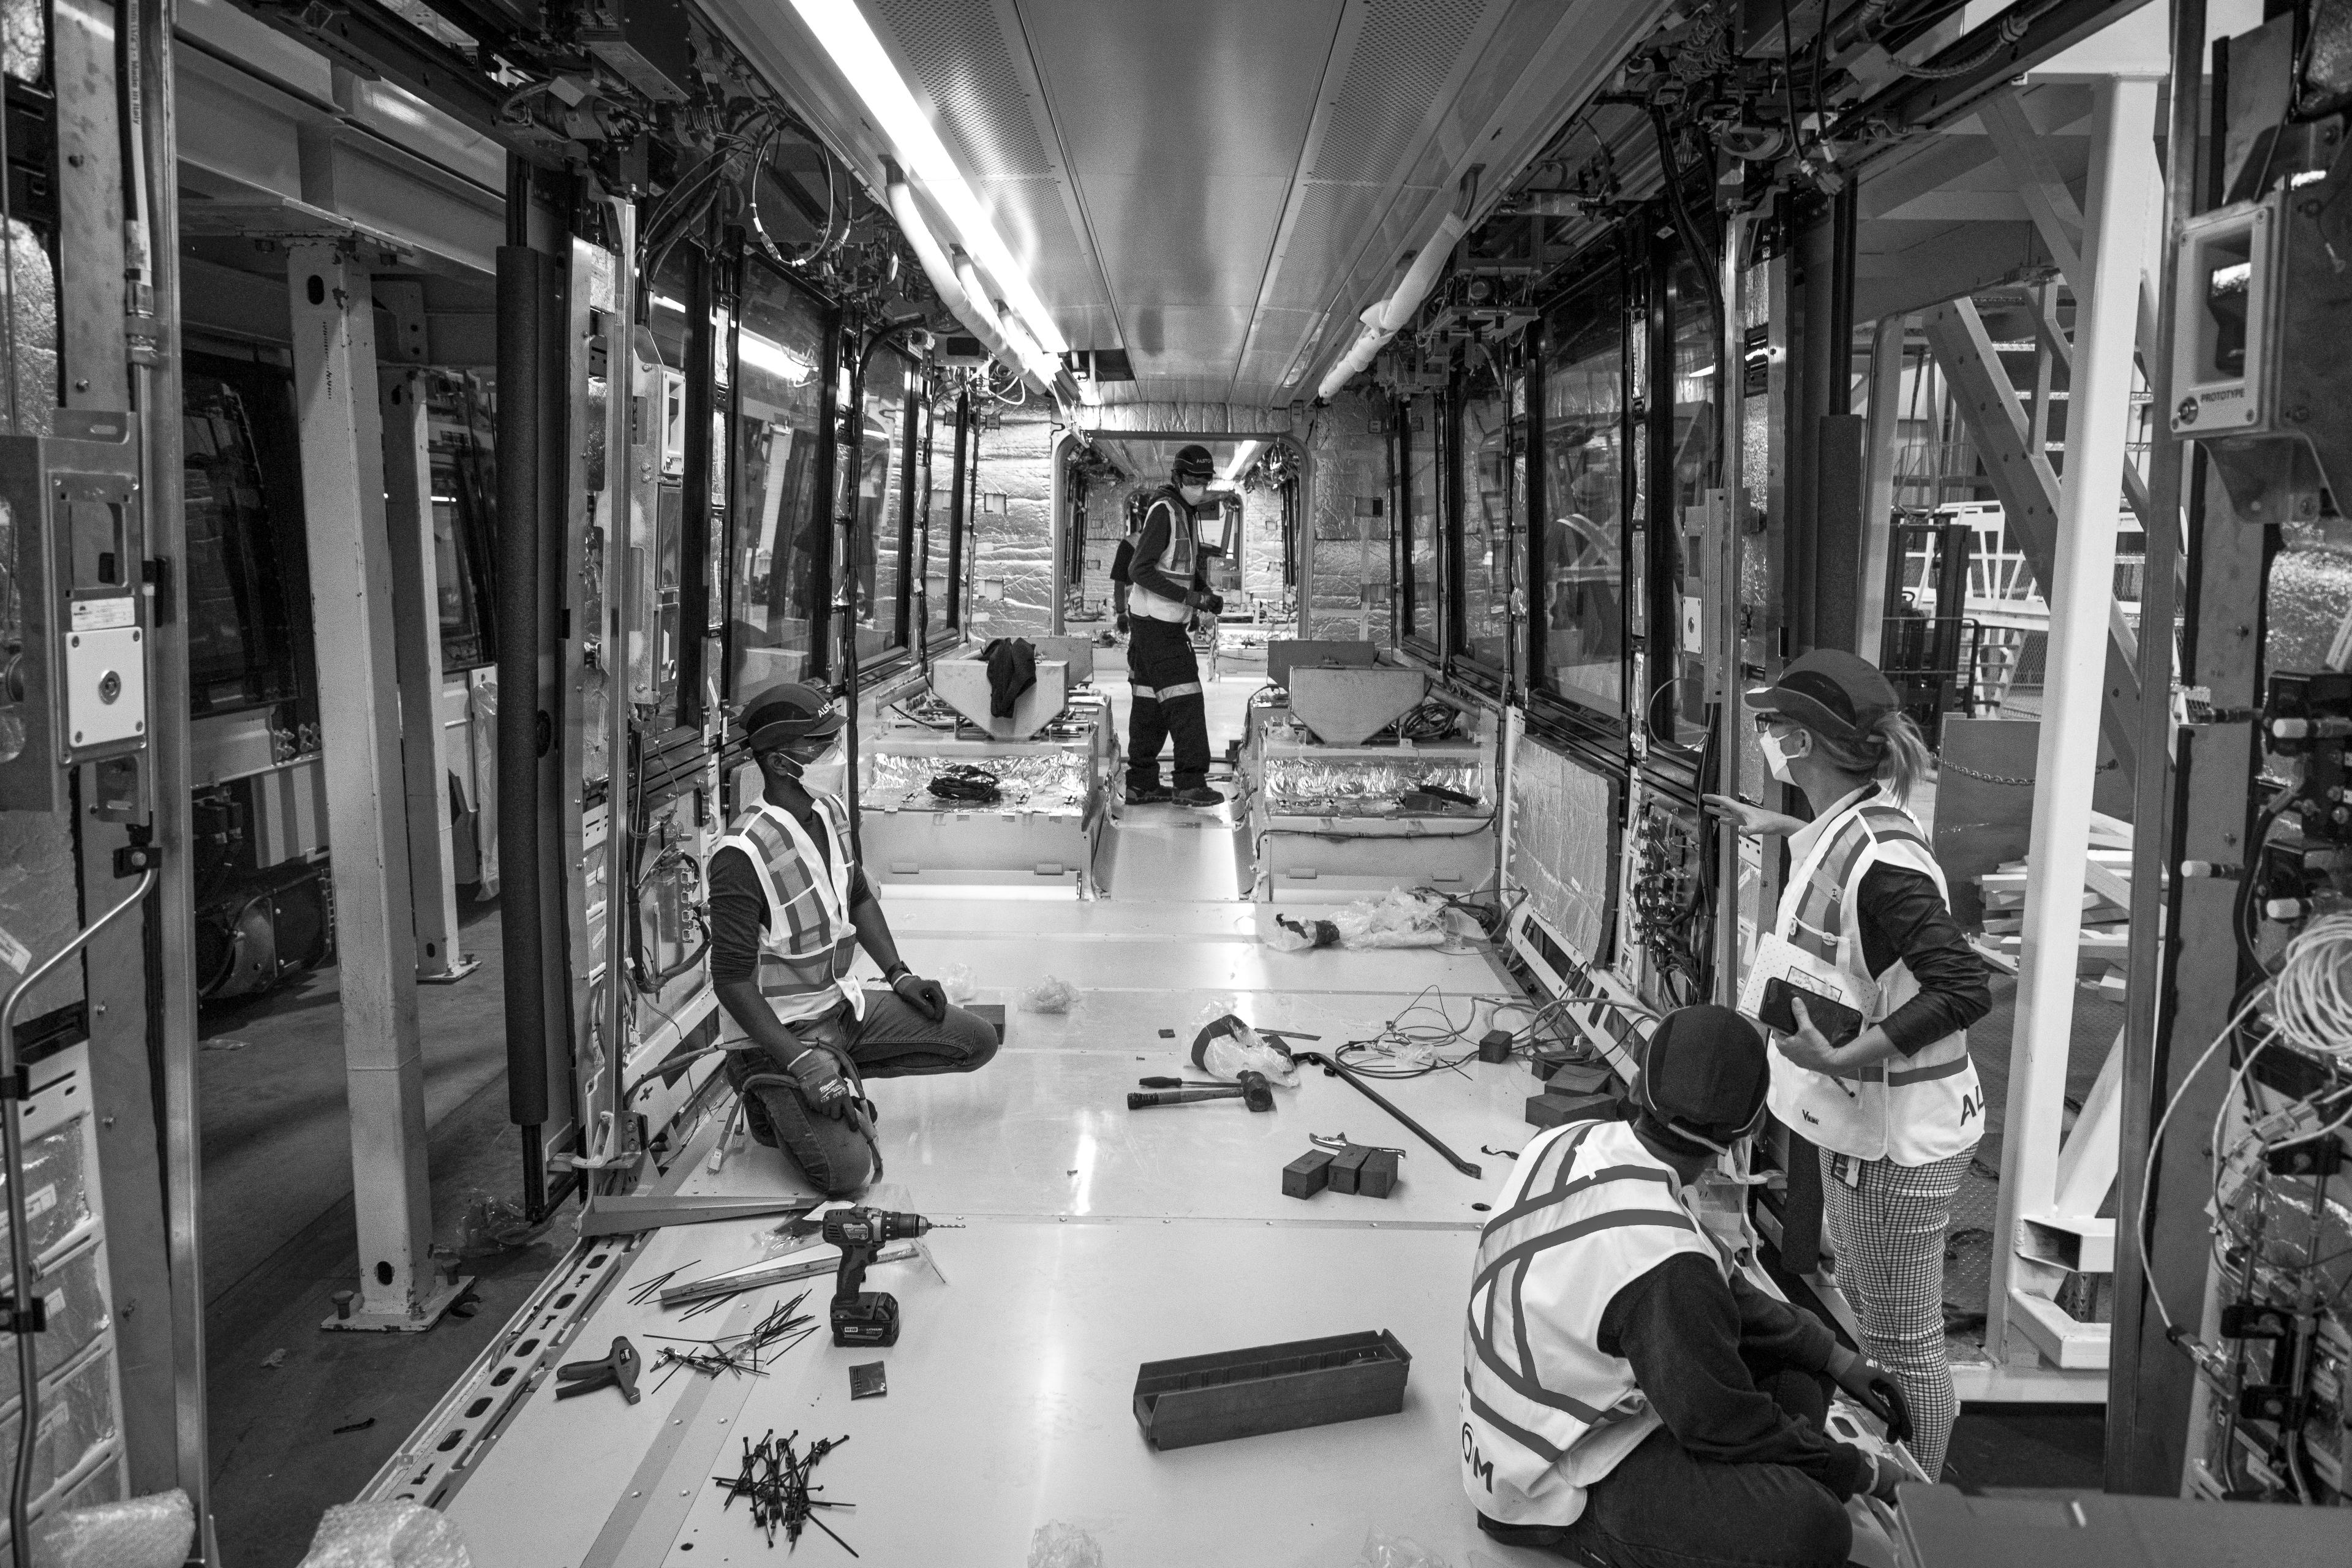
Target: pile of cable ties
<point>774,1479</point>
<point>752,1351</point>
<point>964,782</point>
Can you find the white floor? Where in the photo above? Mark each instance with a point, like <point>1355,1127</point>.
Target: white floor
<point>1098,1238</point>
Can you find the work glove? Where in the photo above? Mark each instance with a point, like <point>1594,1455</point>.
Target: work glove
<point>1885,1474</point>
<point>928,997</point>
<point>817,1074</point>
<point>1874,1388</point>
<point>1202,599</point>
<point>1122,623</point>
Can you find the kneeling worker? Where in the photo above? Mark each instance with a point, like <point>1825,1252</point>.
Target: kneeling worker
<point>1629,1398</point>
<point>1166,585</point>
<point>789,908</point>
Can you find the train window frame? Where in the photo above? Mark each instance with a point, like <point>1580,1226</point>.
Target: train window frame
<point>1463,659</point>
<point>894,620</point>
<point>820,652</point>
<point>1413,526</point>
<point>1597,278</point>
<point>1663,675</point>
<point>284,621</point>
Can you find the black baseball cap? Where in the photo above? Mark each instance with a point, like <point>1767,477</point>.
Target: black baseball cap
<point>1841,694</point>
<point>1194,464</point>
<point>782,714</point>
<point>1706,1071</point>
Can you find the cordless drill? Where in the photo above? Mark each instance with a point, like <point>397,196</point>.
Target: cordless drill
<point>866,1317</point>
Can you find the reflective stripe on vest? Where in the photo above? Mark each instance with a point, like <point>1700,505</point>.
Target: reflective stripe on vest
<point>1177,564</point>
<point>1167,693</point>
<point>1912,1110</point>
<point>809,944</point>
<point>1545,1411</point>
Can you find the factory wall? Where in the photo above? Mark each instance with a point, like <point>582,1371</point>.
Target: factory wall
<point>1262,546</point>
<point>1347,573</point>
<point>1012,566</point>
<point>1106,524</point>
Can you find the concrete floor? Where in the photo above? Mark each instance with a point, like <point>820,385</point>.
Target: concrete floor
<point>290,1439</point>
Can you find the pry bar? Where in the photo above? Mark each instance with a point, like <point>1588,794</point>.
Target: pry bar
<point>1331,1066</point>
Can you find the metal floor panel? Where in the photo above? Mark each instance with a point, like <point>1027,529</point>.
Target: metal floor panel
<point>1010,957</point>
<point>1048,1133</point>
<point>1009,1405</point>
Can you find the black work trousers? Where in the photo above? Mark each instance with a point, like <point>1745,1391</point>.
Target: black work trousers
<point>1664,1507</point>
<point>1168,702</point>
<point>892,1041</point>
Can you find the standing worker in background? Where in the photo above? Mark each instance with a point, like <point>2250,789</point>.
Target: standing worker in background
<point>1122,564</point>
<point>1631,1398</point>
<point>790,907</point>
<point>1896,1111</point>
<point>1165,586</point>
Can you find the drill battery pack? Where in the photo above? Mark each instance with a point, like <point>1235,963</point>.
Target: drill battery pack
<point>868,1318</point>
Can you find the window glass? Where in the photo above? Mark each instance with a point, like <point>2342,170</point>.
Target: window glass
<point>1488,503</point>
<point>461,420</point>
<point>882,494</point>
<point>1418,432</point>
<point>1692,472</point>
<point>778,588</point>
<point>1582,558</point>
<point>242,647</point>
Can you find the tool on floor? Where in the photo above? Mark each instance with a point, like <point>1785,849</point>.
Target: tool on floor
<point>731,1137</point>
<point>1179,1083</point>
<point>713,1288</point>
<point>774,1480</point>
<point>1253,1090</point>
<point>625,1214</point>
<point>1368,1170</point>
<point>617,1368</point>
<point>862,1317</point>
<point>1330,1064</point>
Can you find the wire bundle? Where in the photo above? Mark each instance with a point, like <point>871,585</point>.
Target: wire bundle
<point>2311,995</point>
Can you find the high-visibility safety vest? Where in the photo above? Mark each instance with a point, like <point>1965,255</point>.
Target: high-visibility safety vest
<point>1177,564</point>
<point>1545,1412</point>
<point>809,945</point>
<point>1913,1110</point>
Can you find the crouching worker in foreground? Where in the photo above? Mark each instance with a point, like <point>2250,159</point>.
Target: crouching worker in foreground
<point>1629,1398</point>
<point>789,908</point>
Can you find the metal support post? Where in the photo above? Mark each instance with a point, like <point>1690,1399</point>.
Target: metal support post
<point>1886,352</point>
<point>416,647</point>
<point>353,602</point>
<point>2123,183</point>
<point>1723,681</point>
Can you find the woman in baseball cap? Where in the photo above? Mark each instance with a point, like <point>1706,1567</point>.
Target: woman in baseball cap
<point>1892,1105</point>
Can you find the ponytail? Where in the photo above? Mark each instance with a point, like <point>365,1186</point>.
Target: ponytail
<point>1893,752</point>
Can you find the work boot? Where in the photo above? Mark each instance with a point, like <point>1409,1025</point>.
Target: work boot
<point>1200,796</point>
<point>1155,795</point>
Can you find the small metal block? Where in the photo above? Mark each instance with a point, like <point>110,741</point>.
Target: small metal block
<point>1346,1167</point>
<point>1307,1176</point>
<point>1378,1176</point>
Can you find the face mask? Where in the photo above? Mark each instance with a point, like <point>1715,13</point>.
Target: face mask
<point>1194,494</point>
<point>1780,752</point>
<point>795,768</point>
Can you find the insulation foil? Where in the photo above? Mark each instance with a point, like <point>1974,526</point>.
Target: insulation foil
<point>1308,786</point>
<point>1559,846</point>
<point>24,38</point>
<point>2309,611</point>
<point>33,357</point>
<point>1055,783</point>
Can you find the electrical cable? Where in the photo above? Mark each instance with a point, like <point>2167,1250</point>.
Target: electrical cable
<point>2156,1145</point>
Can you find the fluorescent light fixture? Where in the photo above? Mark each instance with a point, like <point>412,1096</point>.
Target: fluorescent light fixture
<point>858,55</point>
<point>1244,456</point>
<point>663,302</point>
<point>760,353</point>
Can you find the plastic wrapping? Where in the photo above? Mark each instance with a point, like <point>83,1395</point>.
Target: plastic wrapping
<point>1395,919</point>
<point>1313,786</point>
<point>1561,844</point>
<point>960,981</point>
<point>1382,1550</point>
<point>77,1419</point>
<point>1225,1048</point>
<point>57,1187</point>
<point>1060,1545</point>
<point>1050,994</point>
<point>155,1531</point>
<point>387,1535</point>
<point>1053,782</point>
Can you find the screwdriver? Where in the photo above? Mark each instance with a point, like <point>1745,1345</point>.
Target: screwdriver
<point>1179,1083</point>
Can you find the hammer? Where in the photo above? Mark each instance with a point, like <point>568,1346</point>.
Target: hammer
<point>1253,1090</point>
